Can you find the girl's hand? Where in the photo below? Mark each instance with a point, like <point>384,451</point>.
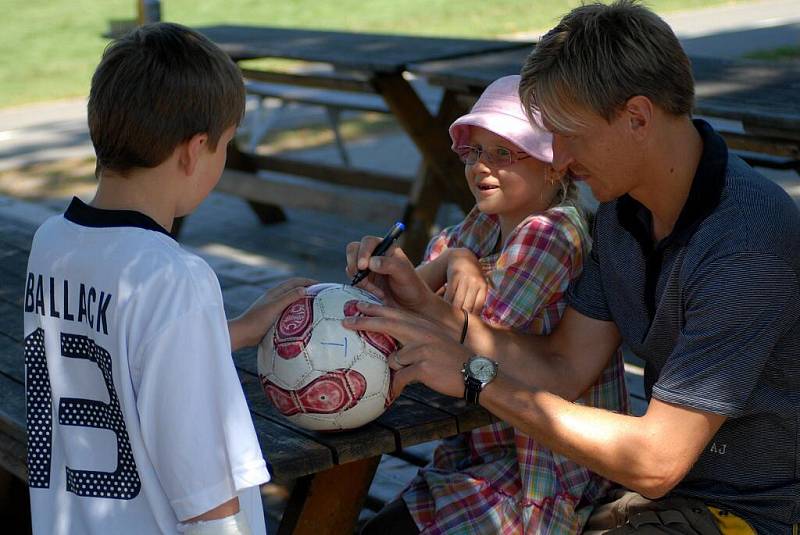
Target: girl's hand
<point>466,286</point>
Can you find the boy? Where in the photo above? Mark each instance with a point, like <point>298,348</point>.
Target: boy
<point>136,419</point>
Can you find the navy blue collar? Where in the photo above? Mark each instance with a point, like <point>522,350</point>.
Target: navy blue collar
<point>704,196</point>
<point>82,214</point>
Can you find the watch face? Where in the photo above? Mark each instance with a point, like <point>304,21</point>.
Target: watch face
<point>482,369</point>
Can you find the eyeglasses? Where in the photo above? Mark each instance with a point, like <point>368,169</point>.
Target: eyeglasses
<point>496,156</point>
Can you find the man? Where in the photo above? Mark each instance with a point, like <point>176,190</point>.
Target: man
<point>695,266</point>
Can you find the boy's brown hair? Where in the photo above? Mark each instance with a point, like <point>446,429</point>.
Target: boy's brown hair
<point>598,57</point>
<point>155,88</point>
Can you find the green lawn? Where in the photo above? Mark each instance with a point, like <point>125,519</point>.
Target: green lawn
<point>48,48</point>
<point>777,54</point>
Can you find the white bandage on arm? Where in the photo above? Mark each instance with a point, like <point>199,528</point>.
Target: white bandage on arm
<point>230,525</point>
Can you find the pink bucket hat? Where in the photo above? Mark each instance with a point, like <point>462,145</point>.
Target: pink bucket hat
<point>499,111</point>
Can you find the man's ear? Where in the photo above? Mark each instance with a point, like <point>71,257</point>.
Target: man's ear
<point>639,114</point>
<point>190,152</point>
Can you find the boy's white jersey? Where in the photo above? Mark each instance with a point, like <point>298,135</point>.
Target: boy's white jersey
<point>136,417</point>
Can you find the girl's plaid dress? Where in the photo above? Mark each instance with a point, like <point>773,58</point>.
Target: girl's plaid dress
<point>496,479</point>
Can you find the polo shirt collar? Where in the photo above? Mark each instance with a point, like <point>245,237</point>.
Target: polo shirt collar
<point>85,215</point>
<point>704,195</point>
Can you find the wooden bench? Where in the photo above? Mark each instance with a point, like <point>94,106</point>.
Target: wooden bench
<point>267,113</point>
<point>295,183</point>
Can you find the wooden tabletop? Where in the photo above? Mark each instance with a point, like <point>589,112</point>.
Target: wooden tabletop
<point>361,51</point>
<point>419,415</point>
<point>762,95</point>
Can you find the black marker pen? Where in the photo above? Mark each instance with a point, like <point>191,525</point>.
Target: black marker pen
<point>381,249</point>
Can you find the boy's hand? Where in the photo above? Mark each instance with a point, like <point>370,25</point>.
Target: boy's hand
<point>249,328</point>
<point>466,285</point>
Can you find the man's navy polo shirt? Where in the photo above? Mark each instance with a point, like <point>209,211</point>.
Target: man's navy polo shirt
<point>714,310</point>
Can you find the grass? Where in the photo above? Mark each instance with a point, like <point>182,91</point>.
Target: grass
<point>50,47</point>
<point>776,54</point>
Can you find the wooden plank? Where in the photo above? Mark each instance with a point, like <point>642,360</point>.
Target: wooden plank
<point>293,192</point>
<point>296,89</point>
<point>346,446</point>
<point>766,145</point>
<point>467,416</point>
<point>360,51</point>
<point>14,265</point>
<point>290,455</point>
<point>12,361</point>
<point>11,320</point>
<point>333,81</point>
<point>16,233</point>
<point>414,422</point>
<point>13,268</point>
<point>12,293</point>
<point>329,502</point>
<point>334,174</point>
<point>13,456</point>
<point>12,408</point>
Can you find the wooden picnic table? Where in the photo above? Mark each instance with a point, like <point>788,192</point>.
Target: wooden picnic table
<point>362,63</point>
<point>333,470</point>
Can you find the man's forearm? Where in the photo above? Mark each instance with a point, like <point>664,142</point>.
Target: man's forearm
<point>618,447</point>
<point>528,358</point>
<point>525,357</point>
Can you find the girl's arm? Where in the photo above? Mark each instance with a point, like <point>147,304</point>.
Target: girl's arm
<point>467,286</point>
<point>434,272</point>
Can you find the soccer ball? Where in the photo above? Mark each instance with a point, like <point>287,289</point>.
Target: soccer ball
<point>320,375</point>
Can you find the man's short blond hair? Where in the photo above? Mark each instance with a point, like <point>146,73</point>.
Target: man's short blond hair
<point>598,57</point>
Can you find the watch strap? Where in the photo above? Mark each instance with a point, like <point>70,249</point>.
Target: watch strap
<point>472,390</point>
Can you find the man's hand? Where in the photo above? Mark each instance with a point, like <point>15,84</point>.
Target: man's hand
<point>428,355</point>
<point>392,277</point>
<point>249,328</point>
<point>466,286</point>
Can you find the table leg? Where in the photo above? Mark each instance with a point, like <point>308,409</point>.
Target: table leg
<point>267,213</point>
<point>426,196</point>
<point>15,511</point>
<point>429,134</point>
<point>328,502</point>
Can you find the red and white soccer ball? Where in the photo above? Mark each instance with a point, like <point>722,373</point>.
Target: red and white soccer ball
<point>320,375</point>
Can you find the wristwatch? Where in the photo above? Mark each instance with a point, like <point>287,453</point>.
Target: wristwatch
<point>478,372</point>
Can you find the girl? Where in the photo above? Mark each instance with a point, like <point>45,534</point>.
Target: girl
<point>512,258</point>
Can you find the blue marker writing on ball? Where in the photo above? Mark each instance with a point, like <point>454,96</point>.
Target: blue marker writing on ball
<point>381,249</point>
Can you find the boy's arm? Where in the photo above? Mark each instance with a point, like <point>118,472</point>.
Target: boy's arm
<point>229,508</point>
<point>248,329</point>
<point>225,519</point>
